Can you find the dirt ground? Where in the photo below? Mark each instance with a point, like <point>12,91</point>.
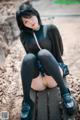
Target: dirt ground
<point>11,94</point>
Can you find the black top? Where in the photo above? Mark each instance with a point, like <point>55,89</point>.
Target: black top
<point>48,37</point>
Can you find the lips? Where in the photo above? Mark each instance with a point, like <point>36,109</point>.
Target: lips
<point>33,25</point>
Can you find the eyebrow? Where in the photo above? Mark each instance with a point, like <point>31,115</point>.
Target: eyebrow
<point>27,16</point>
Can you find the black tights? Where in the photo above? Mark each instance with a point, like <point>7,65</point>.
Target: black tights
<point>29,70</point>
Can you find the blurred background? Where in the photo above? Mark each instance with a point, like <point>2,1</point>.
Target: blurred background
<point>65,14</point>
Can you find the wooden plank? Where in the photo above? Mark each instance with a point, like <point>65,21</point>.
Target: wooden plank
<point>46,105</point>
<point>53,101</point>
<point>33,98</point>
<point>42,109</point>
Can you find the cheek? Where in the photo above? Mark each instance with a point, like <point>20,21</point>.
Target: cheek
<point>35,20</point>
<point>28,25</point>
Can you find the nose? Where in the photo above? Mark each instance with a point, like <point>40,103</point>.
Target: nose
<point>30,21</point>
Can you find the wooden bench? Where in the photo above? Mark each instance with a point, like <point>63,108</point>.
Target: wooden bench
<point>46,102</point>
<point>48,105</point>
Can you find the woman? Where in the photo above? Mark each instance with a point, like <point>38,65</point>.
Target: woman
<point>44,48</point>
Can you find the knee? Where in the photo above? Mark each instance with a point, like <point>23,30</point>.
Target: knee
<point>28,59</point>
<point>43,54</point>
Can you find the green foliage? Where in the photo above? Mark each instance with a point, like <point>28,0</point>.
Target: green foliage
<point>66,1</point>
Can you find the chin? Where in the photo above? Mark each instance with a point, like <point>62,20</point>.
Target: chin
<point>34,28</point>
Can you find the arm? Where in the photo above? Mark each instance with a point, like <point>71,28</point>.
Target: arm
<point>56,41</point>
<point>23,41</point>
<point>57,48</point>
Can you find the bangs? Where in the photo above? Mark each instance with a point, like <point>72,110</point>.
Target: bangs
<point>27,14</point>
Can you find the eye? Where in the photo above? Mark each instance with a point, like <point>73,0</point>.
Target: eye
<point>26,22</point>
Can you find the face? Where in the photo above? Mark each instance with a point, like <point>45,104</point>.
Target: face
<point>31,22</point>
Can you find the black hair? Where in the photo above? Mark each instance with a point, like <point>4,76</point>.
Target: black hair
<point>26,10</point>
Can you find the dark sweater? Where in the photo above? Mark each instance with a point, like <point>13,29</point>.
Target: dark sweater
<point>48,37</point>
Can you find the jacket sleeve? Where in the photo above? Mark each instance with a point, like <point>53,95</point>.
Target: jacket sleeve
<point>23,41</point>
<point>56,41</point>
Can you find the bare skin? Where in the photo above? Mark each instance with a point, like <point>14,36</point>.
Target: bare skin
<point>39,83</point>
<point>31,22</point>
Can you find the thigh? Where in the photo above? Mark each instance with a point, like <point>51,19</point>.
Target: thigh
<point>50,81</point>
<point>29,65</point>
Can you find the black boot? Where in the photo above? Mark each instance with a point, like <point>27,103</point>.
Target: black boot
<point>69,103</point>
<point>26,111</point>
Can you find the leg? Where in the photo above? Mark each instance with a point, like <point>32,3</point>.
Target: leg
<point>28,72</point>
<point>52,68</point>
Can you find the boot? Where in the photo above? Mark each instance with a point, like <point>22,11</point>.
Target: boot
<point>69,103</point>
<point>26,111</point>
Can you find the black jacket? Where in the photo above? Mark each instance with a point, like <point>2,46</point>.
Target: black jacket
<point>48,37</point>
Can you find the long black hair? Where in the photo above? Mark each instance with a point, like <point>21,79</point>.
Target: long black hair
<point>26,10</point>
